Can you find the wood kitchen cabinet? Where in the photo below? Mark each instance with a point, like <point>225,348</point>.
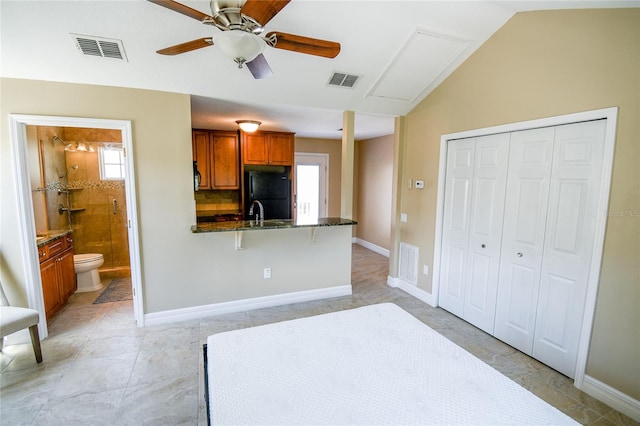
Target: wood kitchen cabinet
<point>218,156</point>
<point>268,148</point>
<point>201,153</point>
<point>57,273</point>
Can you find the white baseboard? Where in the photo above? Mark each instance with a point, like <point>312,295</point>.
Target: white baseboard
<point>412,290</point>
<point>197,312</point>
<point>612,397</point>
<point>366,244</point>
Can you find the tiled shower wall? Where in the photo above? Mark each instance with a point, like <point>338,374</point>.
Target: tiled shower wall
<point>102,226</point>
<point>98,225</point>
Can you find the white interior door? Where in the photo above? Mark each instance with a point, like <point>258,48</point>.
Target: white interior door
<point>485,230</point>
<point>311,183</point>
<point>455,234</point>
<point>568,243</point>
<point>523,236</point>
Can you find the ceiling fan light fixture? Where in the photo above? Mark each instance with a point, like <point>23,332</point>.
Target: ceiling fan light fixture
<point>248,126</point>
<point>239,45</point>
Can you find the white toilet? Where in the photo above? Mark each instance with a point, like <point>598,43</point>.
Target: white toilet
<point>86,267</point>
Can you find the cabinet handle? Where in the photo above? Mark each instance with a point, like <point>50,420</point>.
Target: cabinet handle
<point>482,245</point>
<point>519,255</point>
<point>115,206</point>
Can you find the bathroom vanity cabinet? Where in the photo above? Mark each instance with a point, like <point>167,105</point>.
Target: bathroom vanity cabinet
<point>57,272</point>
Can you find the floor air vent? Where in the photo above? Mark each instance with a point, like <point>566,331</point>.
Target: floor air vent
<point>98,46</point>
<point>408,263</point>
<point>343,79</point>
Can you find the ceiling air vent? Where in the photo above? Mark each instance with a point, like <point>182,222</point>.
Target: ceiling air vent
<point>99,46</point>
<point>343,79</point>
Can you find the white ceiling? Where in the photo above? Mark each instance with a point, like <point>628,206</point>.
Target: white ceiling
<point>374,35</point>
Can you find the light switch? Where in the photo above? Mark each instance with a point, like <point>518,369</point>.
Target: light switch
<point>403,217</point>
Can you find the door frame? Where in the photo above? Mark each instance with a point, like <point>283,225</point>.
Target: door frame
<point>26,225</point>
<point>609,114</point>
<point>325,181</point>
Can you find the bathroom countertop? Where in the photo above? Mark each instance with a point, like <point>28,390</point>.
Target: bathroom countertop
<point>252,225</point>
<point>46,237</point>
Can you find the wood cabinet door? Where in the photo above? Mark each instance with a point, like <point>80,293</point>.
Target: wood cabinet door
<point>225,160</point>
<point>255,149</point>
<point>201,154</point>
<point>50,289</point>
<point>67,275</point>
<point>281,149</point>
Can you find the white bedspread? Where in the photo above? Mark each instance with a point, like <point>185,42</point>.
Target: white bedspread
<point>371,365</point>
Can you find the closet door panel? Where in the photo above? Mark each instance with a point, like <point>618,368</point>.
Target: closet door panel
<point>455,235</point>
<point>485,230</point>
<point>575,182</point>
<point>523,233</point>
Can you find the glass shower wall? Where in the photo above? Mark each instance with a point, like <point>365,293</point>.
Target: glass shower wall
<point>98,218</point>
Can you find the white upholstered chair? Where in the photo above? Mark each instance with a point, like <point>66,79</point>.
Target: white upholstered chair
<point>13,318</point>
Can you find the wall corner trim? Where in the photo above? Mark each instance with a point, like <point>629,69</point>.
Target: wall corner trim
<point>412,290</point>
<point>203,311</point>
<point>612,397</point>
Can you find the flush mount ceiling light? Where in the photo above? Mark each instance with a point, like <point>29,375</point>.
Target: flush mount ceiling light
<point>248,126</point>
<point>239,45</point>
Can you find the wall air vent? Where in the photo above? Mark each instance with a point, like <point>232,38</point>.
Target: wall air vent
<point>342,79</point>
<point>99,46</point>
<point>408,263</point>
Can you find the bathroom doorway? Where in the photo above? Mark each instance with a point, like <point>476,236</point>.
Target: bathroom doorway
<point>86,185</point>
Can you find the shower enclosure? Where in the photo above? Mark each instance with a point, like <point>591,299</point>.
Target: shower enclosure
<point>68,193</point>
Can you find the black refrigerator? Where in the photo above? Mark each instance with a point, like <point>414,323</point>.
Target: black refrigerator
<point>272,189</point>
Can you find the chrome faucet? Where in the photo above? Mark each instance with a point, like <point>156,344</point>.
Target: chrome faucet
<point>260,215</point>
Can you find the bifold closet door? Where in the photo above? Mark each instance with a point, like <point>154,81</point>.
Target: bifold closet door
<point>525,216</point>
<point>474,200</point>
<point>576,174</point>
<point>455,224</point>
<point>549,227</point>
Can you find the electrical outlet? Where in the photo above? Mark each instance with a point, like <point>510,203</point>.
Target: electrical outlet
<point>267,273</point>
<point>425,269</point>
<point>419,184</point>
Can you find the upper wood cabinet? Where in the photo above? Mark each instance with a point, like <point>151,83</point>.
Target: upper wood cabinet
<point>267,148</point>
<point>201,154</point>
<point>218,157</point>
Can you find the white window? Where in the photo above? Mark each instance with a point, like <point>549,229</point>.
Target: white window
<point>111,162</point>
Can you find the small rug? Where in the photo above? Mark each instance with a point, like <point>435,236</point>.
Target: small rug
<point>119,289</point>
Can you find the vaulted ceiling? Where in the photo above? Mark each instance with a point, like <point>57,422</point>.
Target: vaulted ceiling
<point>400,51</point>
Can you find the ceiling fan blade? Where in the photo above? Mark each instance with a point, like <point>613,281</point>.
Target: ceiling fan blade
<point>310,46</point>
<point>181,8</point>
<point>263,10</point>
<point>259,67</point>
<point>186,47</point>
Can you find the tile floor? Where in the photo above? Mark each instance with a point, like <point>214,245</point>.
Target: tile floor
<point>99,368</point>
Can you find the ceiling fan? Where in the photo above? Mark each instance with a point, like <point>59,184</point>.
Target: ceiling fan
<point>241,24</point>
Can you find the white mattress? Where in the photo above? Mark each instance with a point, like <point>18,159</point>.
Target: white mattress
<point>371,365</point>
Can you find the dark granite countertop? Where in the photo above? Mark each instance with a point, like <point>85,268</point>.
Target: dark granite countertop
<point>46,237</point>
<point>252,225</point>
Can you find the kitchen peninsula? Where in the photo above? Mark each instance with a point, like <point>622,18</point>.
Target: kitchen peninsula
<point>260,225</point>
<point>272,262</point>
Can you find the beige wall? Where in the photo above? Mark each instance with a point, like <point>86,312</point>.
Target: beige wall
<point>179,269</point>
<point>542,64</point>
<point>374,183</point>
<point>333,147</point>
